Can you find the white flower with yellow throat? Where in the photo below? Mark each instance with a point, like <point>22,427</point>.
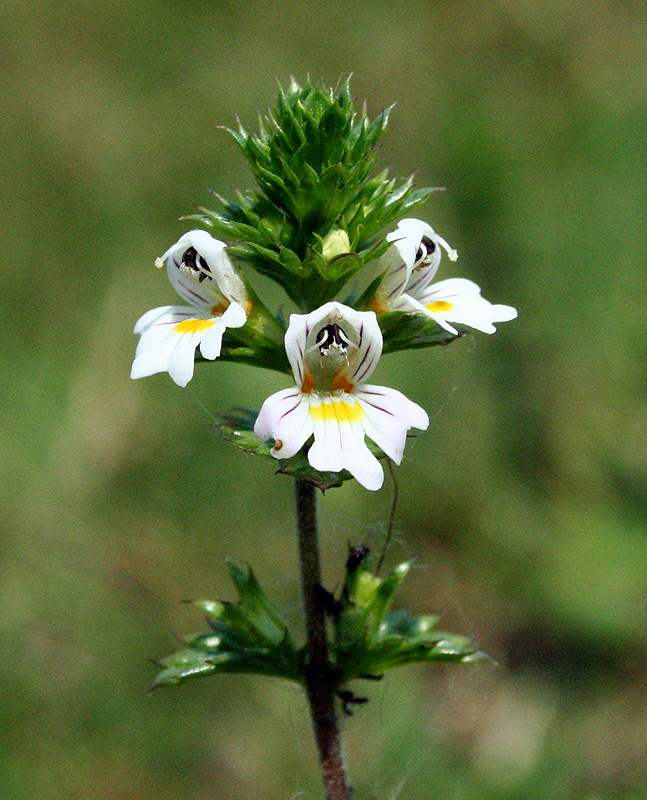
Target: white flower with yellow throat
<point>332,352</point>
<point>409,267</point>
<point>202,274</point>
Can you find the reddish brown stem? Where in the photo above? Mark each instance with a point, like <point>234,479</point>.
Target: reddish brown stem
<point>320,685</point>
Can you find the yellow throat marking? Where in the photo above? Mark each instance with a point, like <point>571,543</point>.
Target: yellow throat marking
<point>193,325</point>
<point>337,411</point>
<point>440,305</point>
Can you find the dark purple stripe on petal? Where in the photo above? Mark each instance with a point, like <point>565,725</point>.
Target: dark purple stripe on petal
<point>368,368</point>
<point>379,408</point>
<point>361,363</point>
<point>300,364</point>
<point>294,407</point>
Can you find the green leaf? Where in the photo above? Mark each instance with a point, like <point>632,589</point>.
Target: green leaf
<point>249,637</point>
<point>370,638</point>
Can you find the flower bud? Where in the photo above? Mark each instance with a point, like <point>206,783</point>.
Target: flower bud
<point>335,243</point>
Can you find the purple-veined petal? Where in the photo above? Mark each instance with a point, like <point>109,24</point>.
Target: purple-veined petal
<point>158,329</point>
<point>295,344</point>
<point>160,317</point>
<point>412,260</point>
<point>285,418</point>
<point>173,353</point>
<point>339,440</point>
<point>413,306</point>
<point>369,347</point>
<point>170,335</point>
<point>208,278</point>
<point>396,273</point>
<point>339,347</point>
<point>388,415</point>
<point>202,295</point>
<point>361,356</point>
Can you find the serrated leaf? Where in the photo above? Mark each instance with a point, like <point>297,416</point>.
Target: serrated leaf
<point>370,638</point>
<point>248,637</point>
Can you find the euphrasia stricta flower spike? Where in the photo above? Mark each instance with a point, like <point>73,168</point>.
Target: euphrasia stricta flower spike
<point>317,217</point>
<point>409,267</point>
<point>202,274</point>
<point>332,352</point>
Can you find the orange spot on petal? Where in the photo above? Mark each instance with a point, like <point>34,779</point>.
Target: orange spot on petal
<point>308,383</point>
<point>341,382</point>
<point>219,309</point>
<point>376,305</point>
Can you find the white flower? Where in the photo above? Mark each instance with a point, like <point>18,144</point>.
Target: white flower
<point>410,265</point>
<point>332,352</point>
<point>201,272</point>
<point>459,300</point>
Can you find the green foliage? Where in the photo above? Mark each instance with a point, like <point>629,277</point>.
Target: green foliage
<point>371,639</point>
<point>247,637</point>
<point>368,639</point>
<point>312,159</point>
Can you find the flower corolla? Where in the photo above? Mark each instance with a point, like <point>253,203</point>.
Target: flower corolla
<point>202,274</point>
<point>408,268</point>
<point>332,352</point>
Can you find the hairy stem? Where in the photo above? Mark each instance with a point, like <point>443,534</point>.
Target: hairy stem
<point>319,680</point>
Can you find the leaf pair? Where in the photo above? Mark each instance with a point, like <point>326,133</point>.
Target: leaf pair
<point>368,638</point>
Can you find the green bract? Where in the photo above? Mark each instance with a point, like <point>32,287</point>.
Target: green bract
<point>312,159</point>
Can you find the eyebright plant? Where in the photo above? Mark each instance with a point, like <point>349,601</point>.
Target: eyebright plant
<point>318,216</point>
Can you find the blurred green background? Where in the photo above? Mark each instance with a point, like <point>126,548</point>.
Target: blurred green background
<point>524,505</point>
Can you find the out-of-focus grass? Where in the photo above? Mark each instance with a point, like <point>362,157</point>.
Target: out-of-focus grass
<point>524,504</point>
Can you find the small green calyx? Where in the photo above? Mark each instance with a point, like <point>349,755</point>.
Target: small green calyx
<point>312,159</point>
<point>246,637</point>
<point>371,639</point>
